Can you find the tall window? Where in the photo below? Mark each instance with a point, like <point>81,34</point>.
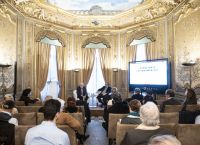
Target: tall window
<point>52,85</point>
<point>141,52</point>
<point>96,80</point>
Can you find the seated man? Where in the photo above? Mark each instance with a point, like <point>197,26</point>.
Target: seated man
<point>47,132</point>
<point>104,93</point>
<point>82,92</point>
<point>137,95</point>
<point>133,116</point>
<point>170,100</point>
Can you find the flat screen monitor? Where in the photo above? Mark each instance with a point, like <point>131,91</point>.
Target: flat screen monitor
<point>154,75</point>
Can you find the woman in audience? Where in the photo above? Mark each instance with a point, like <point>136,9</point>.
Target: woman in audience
<point>190,98</point>
<point>149,115</point>
<point>164,140</point>
<point>26,97</point>
<point>5,113</point>
<point>71,106</point>
<point>133,116</point>
<point>10,97</point>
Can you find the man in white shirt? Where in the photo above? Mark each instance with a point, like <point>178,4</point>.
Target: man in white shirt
<point>47,133</point>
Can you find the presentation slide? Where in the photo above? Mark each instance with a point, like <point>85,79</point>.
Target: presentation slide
<point>149,73</point>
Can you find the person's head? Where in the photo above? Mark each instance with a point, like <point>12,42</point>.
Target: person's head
<point>8,105</point>
<point>26,92</point>
<point>190,93</point>
<point>107,84</point>
<point>114,90</point>
<point>137,91</point>
<point>8,97</point>
<point>149,114</point>
<point>134,105</point>
<point>117,98</point>
<point>51,109</point>
<point>81,85</point>
<point>71,102</point>
<point>169,93</point>
<point>48,98</point>
<point>164,140</point>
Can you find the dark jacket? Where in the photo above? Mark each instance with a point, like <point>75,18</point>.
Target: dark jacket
<point>138,97</point>
<point>171,101</point>
<point>7,130</point>
<point>27,100</point>
<point>107,91</point>
<point>84,93</point>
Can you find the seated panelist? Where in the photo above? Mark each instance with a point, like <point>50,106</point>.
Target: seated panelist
<point>104,93</point>
<point>82,92</point>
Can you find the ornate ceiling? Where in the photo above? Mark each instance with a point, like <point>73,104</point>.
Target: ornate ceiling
<point>148,10</point>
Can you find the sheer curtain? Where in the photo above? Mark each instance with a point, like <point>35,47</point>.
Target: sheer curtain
<point>42,65</point>
<point>96,78</point>
<point>88,57</point>
<point>61,71</point>
<point>52,86</point>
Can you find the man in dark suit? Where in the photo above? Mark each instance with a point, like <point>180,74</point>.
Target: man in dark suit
<point>82,92</point>
<point>170,100</point>
<point>104,93</point>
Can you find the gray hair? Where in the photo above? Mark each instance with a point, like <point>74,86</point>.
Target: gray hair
<point>149,114</point>
<point>164,140</point>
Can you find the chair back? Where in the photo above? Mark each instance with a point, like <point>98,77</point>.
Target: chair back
<point>171,117</point>
<point>27,109</point>
<point>20,133</point>
<point>40,118</point>
<point>71,133</point>
<point>19,103</point>
<point>26,118</point>
<point>188,134</point>
<point>112,124</point>
<point>173,108</point>
<point>123,128</point>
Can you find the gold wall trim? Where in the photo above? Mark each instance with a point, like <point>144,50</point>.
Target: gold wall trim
<point>51,35</point>
<point>96,40</point>
<point>141,34</point>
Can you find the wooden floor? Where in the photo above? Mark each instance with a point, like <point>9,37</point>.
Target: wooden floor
<point>97,133</point>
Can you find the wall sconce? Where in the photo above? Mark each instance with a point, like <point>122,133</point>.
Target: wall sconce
<point>76,70</point>
<point>115,69</point>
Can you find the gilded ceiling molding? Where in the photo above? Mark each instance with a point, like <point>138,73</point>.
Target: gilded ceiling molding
<point>51,35</point>
<point>96,40</point>
<point>149,10</point>
<point>7,13</point>
<point>141,34</point>
<point>186,9</point>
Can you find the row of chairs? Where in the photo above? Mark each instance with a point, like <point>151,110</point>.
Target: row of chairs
<point>21,103</point>
<point>34,118</point>
<point>187,134</point>
<point>165,118</point>
<point>21,130</point>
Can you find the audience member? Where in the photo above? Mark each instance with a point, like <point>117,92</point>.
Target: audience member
<point>47,132</point>
<point>118,107</point>
<point>133,116</point>
<point>149,115</point>
<point>5,113</point>
<point>137,95</point>
<point>71,106</point>
<point>10,97</point>
<point>26,97</point>
<point>41,109</point>
<point>164,140</point>
<point>104,94</point>
<point>82,92</point>
<point>149,97</point>
<point>170,100</point>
